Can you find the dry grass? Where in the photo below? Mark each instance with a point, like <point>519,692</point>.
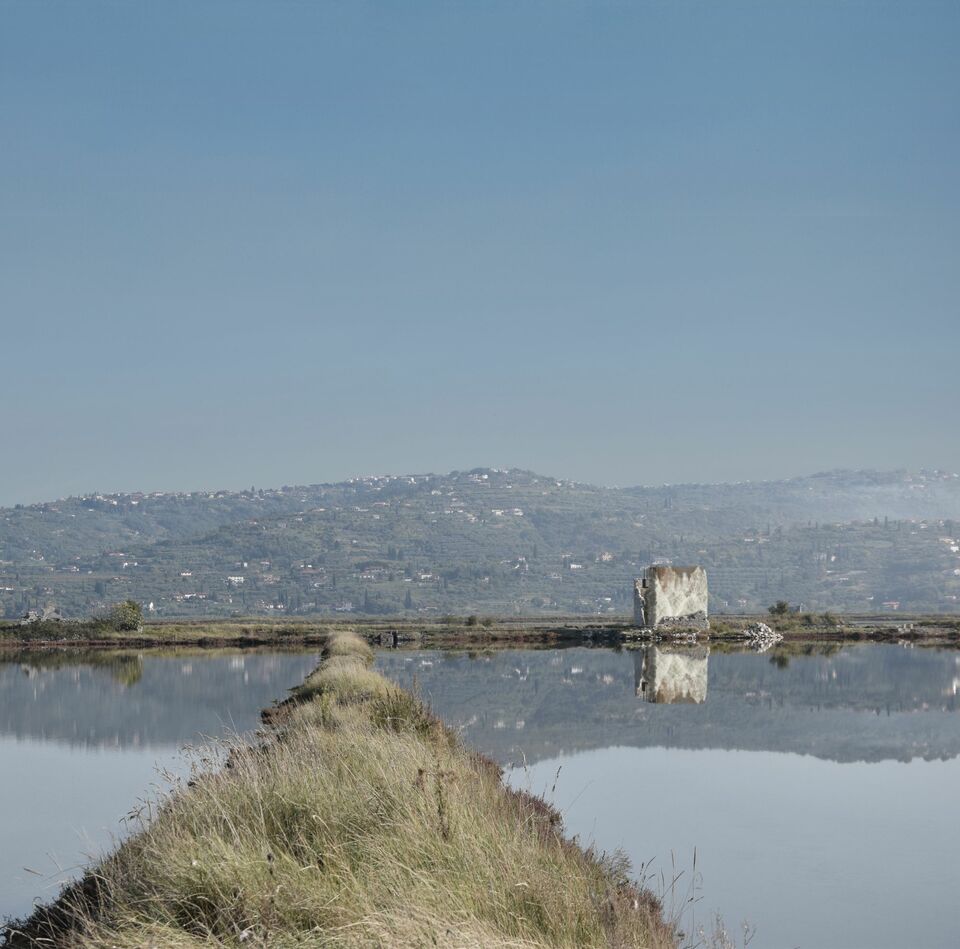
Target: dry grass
<point>346,677</point>
<point>345,671</point>
<point>358,821</point>
<point>347,643</point>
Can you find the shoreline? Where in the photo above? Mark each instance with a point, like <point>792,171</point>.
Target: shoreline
<point>356,818</point>
<point>727,629</point>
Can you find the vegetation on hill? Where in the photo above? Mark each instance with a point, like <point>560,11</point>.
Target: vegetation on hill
<point>488,542</point>
<point>358,820</point>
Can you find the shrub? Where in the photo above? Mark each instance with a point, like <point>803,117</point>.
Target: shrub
<point>126,617</point>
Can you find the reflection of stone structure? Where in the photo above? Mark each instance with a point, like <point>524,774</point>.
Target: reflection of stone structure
<point>671,674</point>
<point>671,596</point>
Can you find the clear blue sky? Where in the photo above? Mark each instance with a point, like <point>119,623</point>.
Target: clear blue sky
<point>263,243</point>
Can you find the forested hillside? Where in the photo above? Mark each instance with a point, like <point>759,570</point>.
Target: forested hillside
<point>488,541</point>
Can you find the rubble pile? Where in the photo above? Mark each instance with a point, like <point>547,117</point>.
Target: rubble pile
<point>761,637</point>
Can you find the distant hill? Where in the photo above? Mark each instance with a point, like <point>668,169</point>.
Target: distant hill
<point>489,541</point>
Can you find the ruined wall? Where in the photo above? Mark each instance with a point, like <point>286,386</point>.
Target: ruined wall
<point>671,596</point>
<point>639,606</point>
<point>665,674</point>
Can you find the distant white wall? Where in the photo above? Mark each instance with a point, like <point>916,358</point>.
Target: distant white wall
<point>676,593</point>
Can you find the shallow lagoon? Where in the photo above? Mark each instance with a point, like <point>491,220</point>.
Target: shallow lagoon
<point>818,788</point>
<point>87,738</point>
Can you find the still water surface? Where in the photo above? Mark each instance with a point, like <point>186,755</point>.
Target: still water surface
<point>85,737</point>
<point>820,791</point>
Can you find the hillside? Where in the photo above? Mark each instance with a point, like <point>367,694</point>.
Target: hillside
<point>488,541</point>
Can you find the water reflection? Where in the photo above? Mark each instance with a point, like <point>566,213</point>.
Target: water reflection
<point>84,734</point>
<point>670,674</point>
<point>817,785</point>
<point>853,703</point>
<point>128,699</point>
<point>123,667</point>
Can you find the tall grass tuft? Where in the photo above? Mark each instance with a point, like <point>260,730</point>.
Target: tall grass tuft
<point>358,820</point>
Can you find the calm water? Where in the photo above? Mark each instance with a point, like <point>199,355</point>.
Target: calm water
<point>84,738</point>
<point>820,791</point>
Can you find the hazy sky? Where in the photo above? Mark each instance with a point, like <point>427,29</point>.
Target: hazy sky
<point>265,243</point>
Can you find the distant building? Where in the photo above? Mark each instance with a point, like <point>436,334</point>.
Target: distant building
<point>671,596</point>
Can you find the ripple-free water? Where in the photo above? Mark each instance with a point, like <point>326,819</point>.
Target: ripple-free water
<point>818,789</point>
<point>85,738</point>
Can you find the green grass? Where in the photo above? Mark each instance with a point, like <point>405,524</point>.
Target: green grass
<point>357,820</point>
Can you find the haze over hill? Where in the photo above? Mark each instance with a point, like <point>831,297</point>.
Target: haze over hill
<point>491,541</point>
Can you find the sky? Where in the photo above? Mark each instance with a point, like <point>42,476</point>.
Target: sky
<point>627,243</point>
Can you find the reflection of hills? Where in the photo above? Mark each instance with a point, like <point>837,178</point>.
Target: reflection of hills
<point>860,703</point>
<point>133,700</point>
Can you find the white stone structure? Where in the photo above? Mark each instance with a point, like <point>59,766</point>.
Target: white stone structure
<point>671,596</point>
<point>671,674</point>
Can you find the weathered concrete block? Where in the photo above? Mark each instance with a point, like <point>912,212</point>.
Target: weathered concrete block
<point>671,596</point>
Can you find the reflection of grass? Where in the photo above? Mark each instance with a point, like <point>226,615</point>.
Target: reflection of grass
<point>123,665</point>
<point>359,820</point>
<point>127,670</point>
<point>788,648</point>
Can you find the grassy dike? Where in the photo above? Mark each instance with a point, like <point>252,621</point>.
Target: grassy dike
<point>358,819</point>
